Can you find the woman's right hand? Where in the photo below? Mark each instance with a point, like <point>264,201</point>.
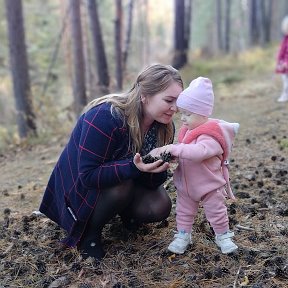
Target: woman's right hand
<point>155,167</point>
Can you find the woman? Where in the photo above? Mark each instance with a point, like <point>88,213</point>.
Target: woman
<point>101,174</point>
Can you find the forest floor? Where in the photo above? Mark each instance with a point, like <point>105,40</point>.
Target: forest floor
<point>31,256</point>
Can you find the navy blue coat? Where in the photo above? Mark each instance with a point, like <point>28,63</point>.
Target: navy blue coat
<point>97,156</point>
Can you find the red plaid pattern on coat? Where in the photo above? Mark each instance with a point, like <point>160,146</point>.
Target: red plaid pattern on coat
<point>97,156</point>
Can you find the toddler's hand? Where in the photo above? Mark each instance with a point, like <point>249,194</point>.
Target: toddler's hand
<point>155,152</point>
<point>160,150</point>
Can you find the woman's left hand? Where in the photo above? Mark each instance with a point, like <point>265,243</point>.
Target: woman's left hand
<point>155,167</point>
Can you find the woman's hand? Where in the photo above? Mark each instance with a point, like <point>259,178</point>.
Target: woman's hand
<point>155,167</point>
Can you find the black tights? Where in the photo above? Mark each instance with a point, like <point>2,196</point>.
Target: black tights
<point>130,201</point>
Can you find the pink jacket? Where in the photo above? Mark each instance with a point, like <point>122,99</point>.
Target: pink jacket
<point>203,158</point>
<point>282,57</point>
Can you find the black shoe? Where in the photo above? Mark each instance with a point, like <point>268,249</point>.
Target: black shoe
<point>91,248</point>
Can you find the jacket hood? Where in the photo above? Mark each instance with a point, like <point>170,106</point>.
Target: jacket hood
<point>229,131</point>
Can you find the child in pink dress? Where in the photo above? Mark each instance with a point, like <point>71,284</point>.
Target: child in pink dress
<point>282,61</point>
<point>201,177</point>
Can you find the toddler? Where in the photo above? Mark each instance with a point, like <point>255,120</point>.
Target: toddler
<point>201,176</point>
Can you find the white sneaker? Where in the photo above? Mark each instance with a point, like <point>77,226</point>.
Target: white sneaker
<point>180,243</point>
<point>283,98</point>
<point>224,242</point>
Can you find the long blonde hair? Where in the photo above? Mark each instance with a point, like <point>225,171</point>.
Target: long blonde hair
<point>152,80</point>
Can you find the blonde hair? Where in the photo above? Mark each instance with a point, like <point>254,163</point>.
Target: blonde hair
<point>152,80</point>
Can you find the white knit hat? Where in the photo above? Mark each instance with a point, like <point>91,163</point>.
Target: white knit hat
<point>198,98</point>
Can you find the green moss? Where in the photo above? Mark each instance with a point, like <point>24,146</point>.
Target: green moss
<point>283,144</point>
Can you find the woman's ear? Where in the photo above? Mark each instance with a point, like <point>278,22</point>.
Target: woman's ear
<point>143,99</point>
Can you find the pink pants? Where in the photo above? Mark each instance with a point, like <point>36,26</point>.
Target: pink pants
<point>214,208</point>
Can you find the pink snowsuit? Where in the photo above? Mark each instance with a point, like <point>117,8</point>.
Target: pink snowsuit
<point>282,57</point>
<point>202,174</point>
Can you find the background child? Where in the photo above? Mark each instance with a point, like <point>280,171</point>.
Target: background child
<point>202,174</point>
<point>282,61</point>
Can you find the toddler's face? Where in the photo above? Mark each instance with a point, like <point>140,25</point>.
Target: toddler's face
<point>191,120</point>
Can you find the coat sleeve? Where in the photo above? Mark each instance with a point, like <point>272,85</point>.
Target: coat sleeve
<point>204,148</point>
<point>101,137</point>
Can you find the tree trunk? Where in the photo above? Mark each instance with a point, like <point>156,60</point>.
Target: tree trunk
<point>254,33</point>
<point>145,33</point>
<point>79,91</point>
<point>66,39</point>
<point>90,71</point>
<point>118,44</point>
<point>227,26</point>
<point>267,19</point>
<point>128,34</point>
<point>19,67</point>
<point>285,8</point>
<point>187,24</point>
<point>180,56</point>
<point>219,24</point>
<point>100,56</point>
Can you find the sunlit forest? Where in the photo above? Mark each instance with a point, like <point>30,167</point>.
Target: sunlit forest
<point>213,29</point>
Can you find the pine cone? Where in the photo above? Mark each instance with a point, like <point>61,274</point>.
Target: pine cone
<point>166,157</point>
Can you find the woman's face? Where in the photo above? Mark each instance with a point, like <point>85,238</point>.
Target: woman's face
<point>191,120</point>
<point>162,106</point>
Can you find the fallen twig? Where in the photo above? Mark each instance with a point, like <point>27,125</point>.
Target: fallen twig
<point>236,278</point>
<point>264,209</point>
<point>244,227</point>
